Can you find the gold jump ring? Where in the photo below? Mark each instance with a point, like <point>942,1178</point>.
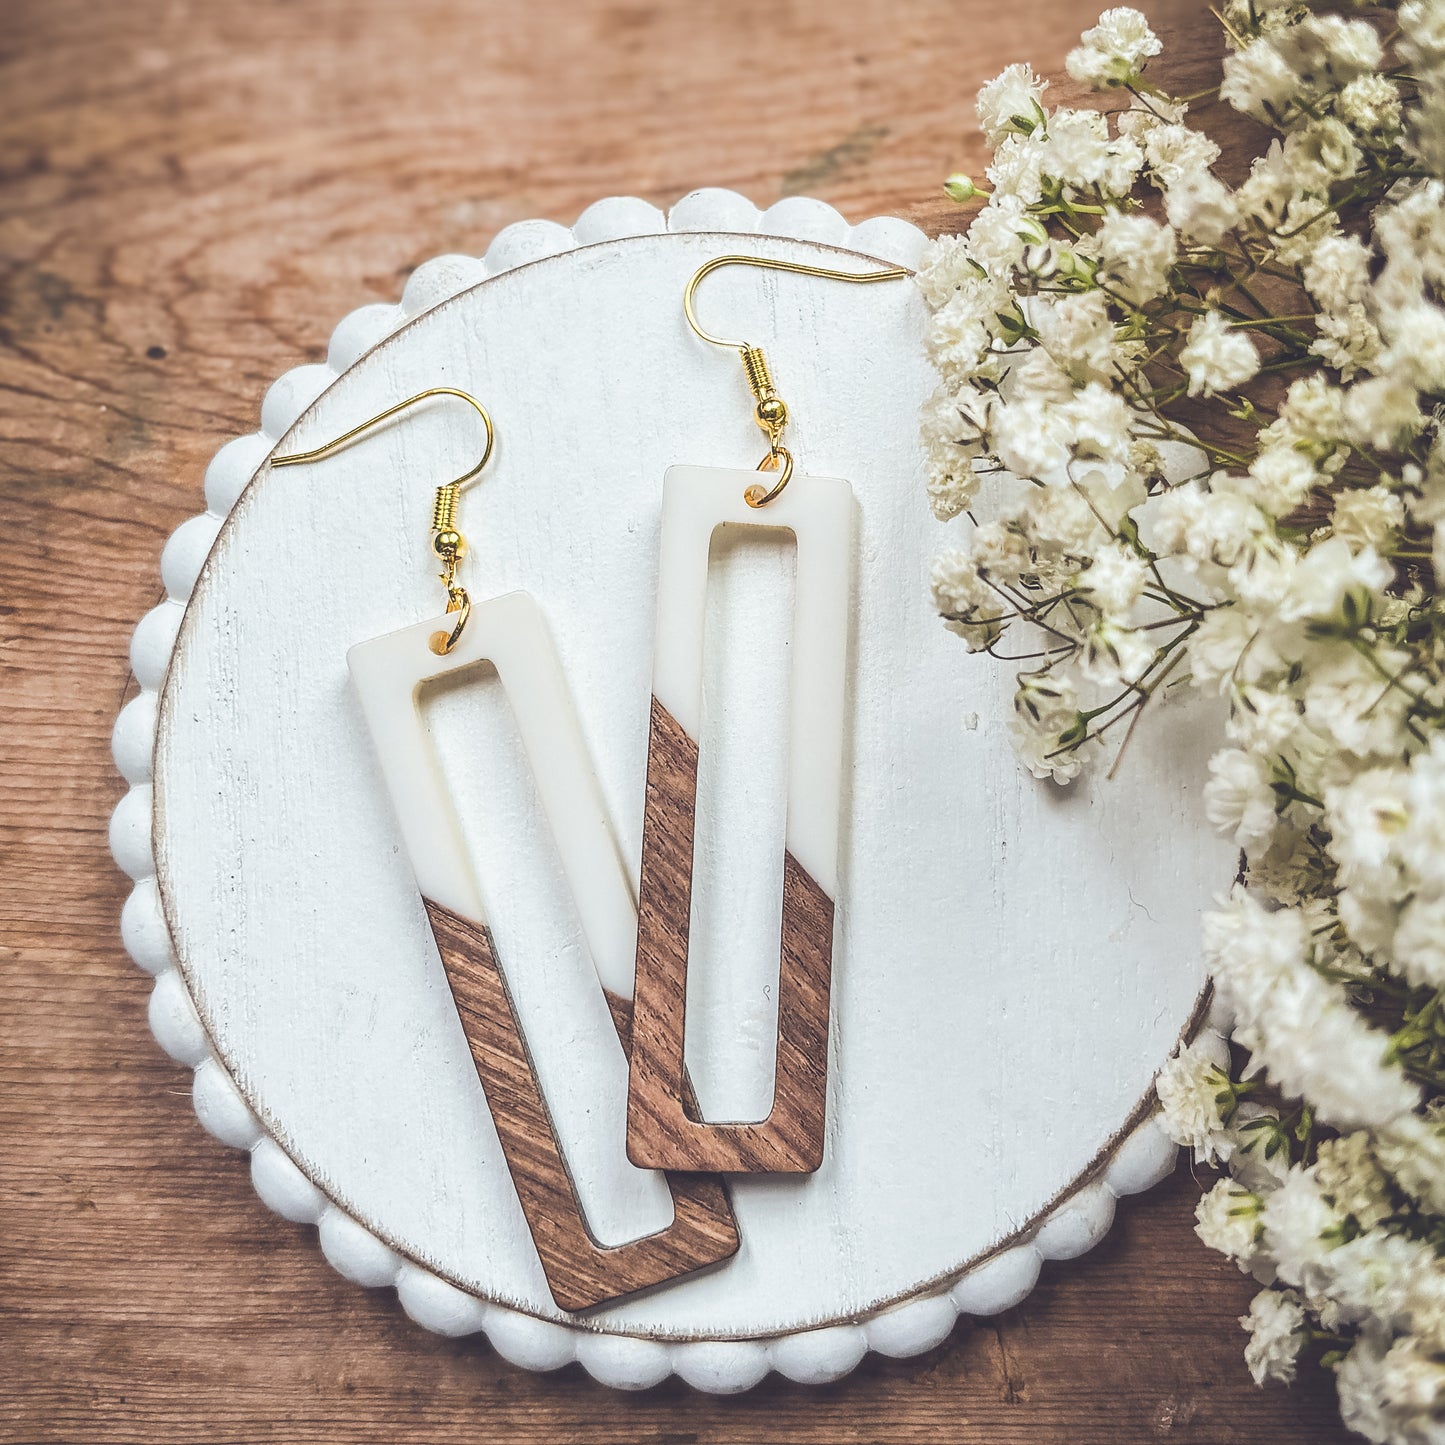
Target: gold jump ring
<point>757,496</point>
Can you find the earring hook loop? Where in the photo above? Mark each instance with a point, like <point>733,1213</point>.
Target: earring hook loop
<point>447,542</point>
<point>336,443</point>
<point>767,263</point>
<point>771,411</point>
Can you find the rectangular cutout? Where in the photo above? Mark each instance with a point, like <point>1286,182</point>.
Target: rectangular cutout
<point>730,1036</point>
<point>542,951</point>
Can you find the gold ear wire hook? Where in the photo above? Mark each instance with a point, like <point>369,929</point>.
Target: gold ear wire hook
<point>446,542</point>
<point>771,412</point>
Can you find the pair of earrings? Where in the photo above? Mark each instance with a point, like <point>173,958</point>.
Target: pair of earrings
<point>639,952</point>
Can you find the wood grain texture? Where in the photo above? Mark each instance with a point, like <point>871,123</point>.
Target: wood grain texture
<point>662,1131</point>
<point>190,196</point>
<point>580,1272</point>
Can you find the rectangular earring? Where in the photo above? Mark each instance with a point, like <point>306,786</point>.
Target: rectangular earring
<point>663,1122</point>
<point>664,1129</point>
<point>509,632</point>
<point>389,673</point>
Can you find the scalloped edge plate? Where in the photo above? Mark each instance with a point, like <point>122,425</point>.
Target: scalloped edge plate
<point>1141,1157</point>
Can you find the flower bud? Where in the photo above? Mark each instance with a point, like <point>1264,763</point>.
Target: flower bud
<point>961,188</point>
<point>1031,229</point>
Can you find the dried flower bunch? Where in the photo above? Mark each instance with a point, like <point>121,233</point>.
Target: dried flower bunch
<point>1189,428</point>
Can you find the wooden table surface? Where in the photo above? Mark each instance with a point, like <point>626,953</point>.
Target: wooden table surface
<point>191,194</point>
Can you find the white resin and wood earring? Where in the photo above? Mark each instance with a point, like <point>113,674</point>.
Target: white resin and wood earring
<point>389,673</point>
<point>664,1129</point>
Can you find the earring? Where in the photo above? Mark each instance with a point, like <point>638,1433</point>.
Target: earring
<point>663,1126</point>
<point>389,672</point>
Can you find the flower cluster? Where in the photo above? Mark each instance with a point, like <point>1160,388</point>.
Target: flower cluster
<point>1190,432</point>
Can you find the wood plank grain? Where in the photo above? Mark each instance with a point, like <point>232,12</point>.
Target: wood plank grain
<point>190,196</point>
<point>660,1125</point>
<point>580,1272</point>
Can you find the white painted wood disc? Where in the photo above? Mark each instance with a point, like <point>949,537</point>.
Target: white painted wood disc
<point>1013,960</point>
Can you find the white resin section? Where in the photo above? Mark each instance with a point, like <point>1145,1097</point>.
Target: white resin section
<point>818,511</point>
<point>511,634</point>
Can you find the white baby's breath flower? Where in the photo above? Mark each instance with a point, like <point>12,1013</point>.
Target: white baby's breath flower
<point>1371,104</point>
<point>1078,334</point>
<point>1299,1025</point>
<point>1366,818</point>
<point>1281,478</point>
<point>1337,272</point>
<point>1031,437</point>
<point>1391,1392</point>
<point>1371,1275</point>
<point>1382,412</point>
<point>958,339</point>
<point>1333,583</point>
<point>1047,702</point>
<point>1316,1046</point>
<point>1415,350</point>
<point>968,605</point>
<point>1368,517</point>
<point>1419,942</point>
<point>1114,654</point>
<point>1300,1229</point>
<point>1412,1149</point>
<point>1348,340</point>
<point>1311,416</point>
<point>1227,1219</point>
<point>1263,571</point>
<point>1364,1406</point>
<point>1135,254</point>
<point>1250,950</point>
<point>1044,752</point>
<point>1063,519</point>
<point>1211,525</point>
<point>1174,152</point>
<point>1421,845</point>
<point>1270,77</point>
<point>952,485</point>
<point>1010,102</point>
<point>1114,580</point>
<point>1350,1177</point>
<point>1192,1090</point>
<point>1218,356</point>
<point>1368,920</point>
<point>1218,646</point>
<point>1262,720</point>
<point>1201,207</point>
<point>945,266</point>
<point>1239,797</point>
<point>1115,51</point>
<point>1349,700</point>
<point>1260,1163</point>
<point>997,235</point>
<point>1258,80</point>
<point>1276,1328</point>
<point>1412,1380</point>
<point>1327,147</point>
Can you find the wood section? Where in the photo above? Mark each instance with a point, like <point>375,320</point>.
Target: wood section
<point>580,1272</point>
<point>214,185</point>
<point>662,1124</point>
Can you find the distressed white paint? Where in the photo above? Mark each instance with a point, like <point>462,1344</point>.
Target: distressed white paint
<point>818,511</point>
<point>1014,961</point>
